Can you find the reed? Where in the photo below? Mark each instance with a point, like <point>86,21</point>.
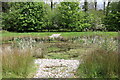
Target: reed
<point>16,62</point>
<point>101,62</point>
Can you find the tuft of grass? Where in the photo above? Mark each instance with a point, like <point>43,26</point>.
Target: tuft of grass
<point>16,63</point>
<point>18,57</point>
<point>0,64</point>
<point>100,63</point>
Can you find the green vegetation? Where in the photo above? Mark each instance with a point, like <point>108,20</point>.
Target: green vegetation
<point>98,54</point>
<point>64,34</point>
<point>26,27</point>
<point>26,16</point>
<point>112,20</point>
<point>71,17</point>
<point>99,64</point>
<point>65,16</point>
<point>18,57</point>
<point>16,63</point>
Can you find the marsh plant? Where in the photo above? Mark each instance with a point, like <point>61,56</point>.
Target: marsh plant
<point>16,62</point>
<point>102,61</point>
<point>18,58</point>
<point>0,63</point>
<point>38,49</point>
<point>105,42</point>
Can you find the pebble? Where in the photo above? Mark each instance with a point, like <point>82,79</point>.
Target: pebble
<point>56,68</point>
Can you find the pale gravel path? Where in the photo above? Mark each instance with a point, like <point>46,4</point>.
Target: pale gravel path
<point>56,68</point>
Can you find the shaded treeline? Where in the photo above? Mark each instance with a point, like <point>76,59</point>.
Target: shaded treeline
<point>63,16</point>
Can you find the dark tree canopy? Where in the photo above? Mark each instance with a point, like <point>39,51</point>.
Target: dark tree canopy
<point>63,16</point>
<point>112,20</point>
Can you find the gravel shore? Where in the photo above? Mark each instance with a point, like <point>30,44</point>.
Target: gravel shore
<point>56,68</point>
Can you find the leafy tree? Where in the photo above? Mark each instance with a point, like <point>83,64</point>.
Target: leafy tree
<point>72,18</point>
<point>24,16</point>
<point>112,20</point>
<point>97,17</point>
<point>69,12</point>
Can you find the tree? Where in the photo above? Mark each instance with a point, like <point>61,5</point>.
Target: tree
<point>24,16</point>
<point>112,20</point>
<point>71,18</point>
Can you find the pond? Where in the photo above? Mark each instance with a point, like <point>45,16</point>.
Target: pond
<point>72,48</point>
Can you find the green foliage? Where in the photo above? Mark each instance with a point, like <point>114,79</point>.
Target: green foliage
<point>15,63</point>
<point>27,16</point>
<point>112,20</point>
<point>97,16</point>
<point>72,18</point>
<point>50,20</point>
<point>102,62</point>
<point>65,16</point>
<point>5,6</point>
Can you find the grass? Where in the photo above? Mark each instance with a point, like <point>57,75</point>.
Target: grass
<point>6,37</point>
<point>65,51</point>
<point>64,34</point>
<point>98,55</point>
<point>18,57</point>
<point>16,63</point>
<point>99,64</point>
<point>0,65</point>
<point>98,61</point>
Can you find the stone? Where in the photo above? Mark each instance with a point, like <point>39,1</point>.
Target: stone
<point>54,68</point>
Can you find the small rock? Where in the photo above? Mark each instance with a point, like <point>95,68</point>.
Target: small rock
<point>56,68</point>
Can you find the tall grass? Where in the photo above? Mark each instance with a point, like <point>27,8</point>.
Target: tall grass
<point>18,57</point>
<point>16,63</point>
<point>0,63</point>
<point>102,62</point>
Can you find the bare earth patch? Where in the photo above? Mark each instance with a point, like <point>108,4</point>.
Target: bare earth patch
<point>56,68</point>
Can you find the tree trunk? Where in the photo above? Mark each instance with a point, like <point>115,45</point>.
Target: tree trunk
<point>107,10</point>
<point>95,4</point>
<point>104,7</point>
<point>51,4</point>
<point>85,6</point>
